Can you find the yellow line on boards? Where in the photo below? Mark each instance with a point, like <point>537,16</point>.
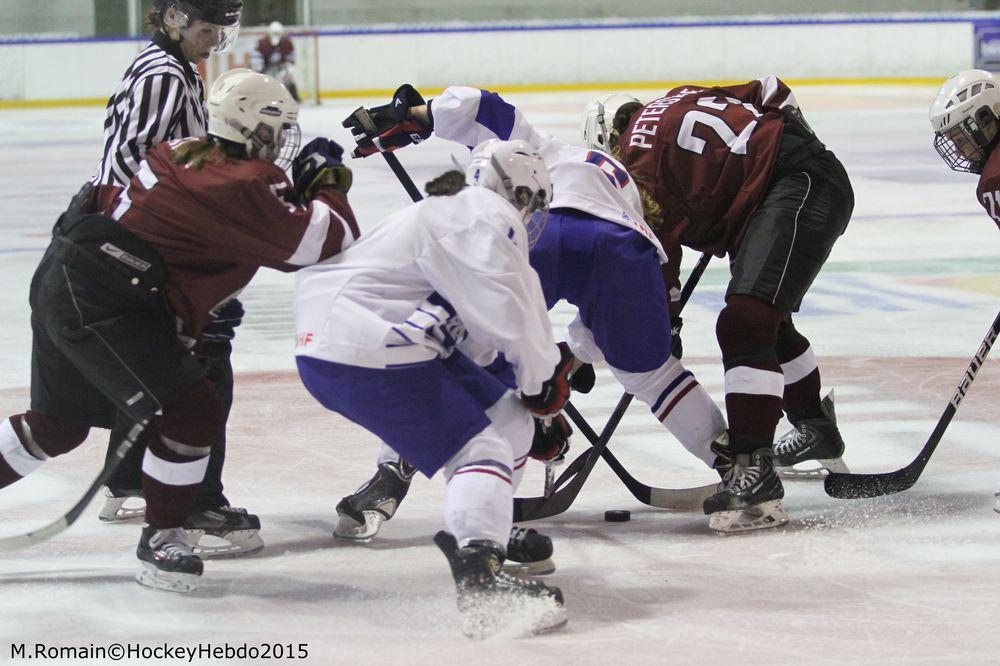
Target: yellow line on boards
<point>533,88</point>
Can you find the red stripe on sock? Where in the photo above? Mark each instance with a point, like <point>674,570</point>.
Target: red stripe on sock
<point>483,470</point>
<point>673,403</point>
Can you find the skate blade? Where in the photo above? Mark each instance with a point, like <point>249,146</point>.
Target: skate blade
<point>824,467</point>
<point>512,617</point>
<point>759,517</point>
<point>349,529</point>
<point>151,577</point>
<point>539,568</point>
<point>237,543</point>
<point>115,511</point>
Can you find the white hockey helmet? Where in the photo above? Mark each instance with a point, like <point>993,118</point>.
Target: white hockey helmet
<point>275,31</point>
<point>257,112</point>
<point>604,120</point>
<point>515,171</point>
<point>964,118</point>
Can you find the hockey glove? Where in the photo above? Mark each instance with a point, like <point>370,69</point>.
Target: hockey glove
<point>555,390</point>
<point>583,378</point>
<point>393,125</point>
<point>319,164</point>
<point>676,348</point>
<point>551,440</point>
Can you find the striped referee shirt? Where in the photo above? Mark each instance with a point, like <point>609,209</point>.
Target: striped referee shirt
<point>160,97</point>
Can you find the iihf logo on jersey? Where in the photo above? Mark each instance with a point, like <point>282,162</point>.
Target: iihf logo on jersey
<point>303,339</point>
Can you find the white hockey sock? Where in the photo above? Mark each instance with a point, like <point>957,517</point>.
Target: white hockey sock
<point>677,399</point>
<point>480,490</point>
<point>387,455</point>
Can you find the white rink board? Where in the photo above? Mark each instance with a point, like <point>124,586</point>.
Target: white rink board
<point>894,318</point>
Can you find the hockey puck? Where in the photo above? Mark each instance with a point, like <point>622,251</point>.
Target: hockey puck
<point>617,516</point>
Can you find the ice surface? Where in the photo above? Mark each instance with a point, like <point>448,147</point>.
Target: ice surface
<point>894,318</point>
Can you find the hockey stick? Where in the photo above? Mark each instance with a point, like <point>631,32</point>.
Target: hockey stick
<point>368,125</point>
<point>19,541</point>
<point>662,498</point>
<point>533,508</point>
<point>856,486</point>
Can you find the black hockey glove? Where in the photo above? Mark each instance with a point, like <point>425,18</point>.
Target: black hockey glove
<point>319,164</point>
<point>676,348</point>
<point>393,125</point>
<point>551,440</point>
<point>583,378</point>
<point>555,390</point>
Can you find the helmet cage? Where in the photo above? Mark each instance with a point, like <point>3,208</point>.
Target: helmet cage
<point>967,145</point>
<point>533,204</point>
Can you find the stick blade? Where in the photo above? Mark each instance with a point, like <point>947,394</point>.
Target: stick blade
<point>860,486</point>
<point>17,542</point>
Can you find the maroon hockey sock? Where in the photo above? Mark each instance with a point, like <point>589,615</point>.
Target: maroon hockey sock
<point>7,474</point>
<point>802,396</point>
<point>747,329</point>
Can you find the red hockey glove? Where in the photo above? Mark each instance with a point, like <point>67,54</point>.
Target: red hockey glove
<point>555,390</point>
<point>393,126</point>
<point>551,440</point>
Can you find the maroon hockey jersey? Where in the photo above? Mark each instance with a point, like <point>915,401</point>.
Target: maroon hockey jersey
<point>213,227</point>
<point>988,190</point>
<point>276,54</point>
<point>705,156</point>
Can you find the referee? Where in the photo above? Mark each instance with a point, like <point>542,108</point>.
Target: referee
<point>162,97</point>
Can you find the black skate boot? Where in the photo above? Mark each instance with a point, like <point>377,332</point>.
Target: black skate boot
<point>750,494</point>
<point>362,513</point>
<point>115,509</point>
<point>224,531</point>
<point>167,561</point>
<point>811,439</point>
<point>528,552</point>
<point>490,600</point>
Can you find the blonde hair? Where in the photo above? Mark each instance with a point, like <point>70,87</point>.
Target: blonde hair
<point>652,212</point>
<point>195,153</point>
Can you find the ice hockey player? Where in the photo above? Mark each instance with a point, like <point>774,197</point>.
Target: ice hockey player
<point>391,335</point>
<point>274,55</point>
<point>736,170</point>
<point>162,97</point>
<point>965,117</point>
<point>596,252</point>
<point>131,278</point>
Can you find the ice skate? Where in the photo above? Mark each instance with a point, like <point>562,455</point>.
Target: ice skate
<point>223,531</point>
<point>996,499</point>
<point>815,440</point>
<point>749,496</point>
<point>362,513</point>
<point>167,560</point>
<point>491,601</point>
<point>528,552</point>
<point>115,509</point>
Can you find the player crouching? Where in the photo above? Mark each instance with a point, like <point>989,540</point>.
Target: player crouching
<point>389,336</point>
<point>965,116</point>
<point>131,279</point>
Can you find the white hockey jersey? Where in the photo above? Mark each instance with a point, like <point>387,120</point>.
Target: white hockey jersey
<point>358,308</point>
<point>584,180</point>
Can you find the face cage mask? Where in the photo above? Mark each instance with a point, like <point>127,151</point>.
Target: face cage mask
<point>281,151</point>
<point>227,33</point>
<point>528,202</point>
<point>964,147</point>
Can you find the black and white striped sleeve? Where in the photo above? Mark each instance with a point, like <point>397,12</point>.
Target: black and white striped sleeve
<point>146,121</point>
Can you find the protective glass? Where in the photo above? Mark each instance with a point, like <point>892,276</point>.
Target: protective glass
<point>216,38</point>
